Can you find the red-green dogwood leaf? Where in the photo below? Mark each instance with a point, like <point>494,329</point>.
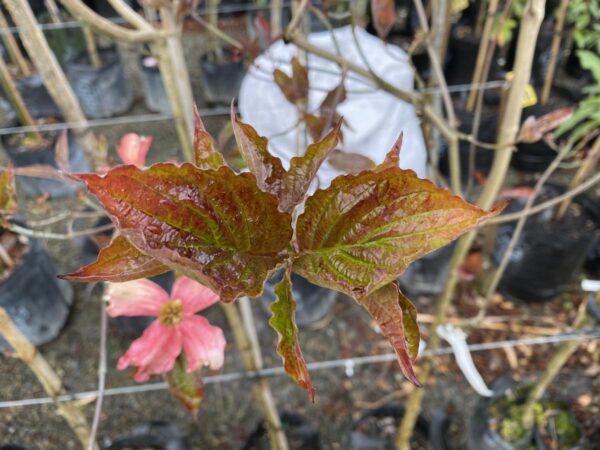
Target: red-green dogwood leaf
<point>364,230</point>
<point>284,322</point>
<point>397,318</point>
<point>392,159</point>
<point>8,192</point>
<point>206,155</point>
<point>117,262</point>
<point>213,225</point>
<point>304,168</point>
<point>267,168</point>
<point>185,387</point>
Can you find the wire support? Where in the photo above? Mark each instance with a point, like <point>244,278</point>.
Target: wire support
<point>314,366</point>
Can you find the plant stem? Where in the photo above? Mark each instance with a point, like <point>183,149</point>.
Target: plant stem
<point>90,46</point>
<point>101,374</point>
<point>14,51</point>
<point>46,375</point>
<point>52,74</point>
<point>555,47</point>
<point>586,167</point>
<point>485,41</point>
<point>565,350</point>
<point>261,390</point>
<point>276,8</point>
<point>16,100</point>
<point>5,257</point>
<point>168,53</point>
<point>587,184</point>
<point>104,26</point>
<point>517,233</point>
<point>212,12</point>
<point>509,126</point>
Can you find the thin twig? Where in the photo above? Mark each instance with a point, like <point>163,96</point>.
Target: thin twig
<point>589,183</point>
<point>56,236</point>
<point>516,236</point>
<point>101,375</point>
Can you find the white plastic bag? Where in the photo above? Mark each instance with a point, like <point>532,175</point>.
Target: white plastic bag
<point>375,118</point>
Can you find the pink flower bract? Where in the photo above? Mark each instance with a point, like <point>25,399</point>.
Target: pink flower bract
<point>133,148</point>
<point>176,329</point>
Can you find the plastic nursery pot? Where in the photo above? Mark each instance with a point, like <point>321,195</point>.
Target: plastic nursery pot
<point>376,429</point>
<point>152,436</point>
<point>155,96</point>
<point>592,262</point>
<point>550,252</point>
<point>313,303</point>
<point>133,325</point>
<point>300,432</point>
<point>462,56</point>
<point>23,155</point>
<point>537,156</point>
<point>483,157</point>
<point>36,98</point>
<point>103,91</point>
<point>427,275</point>
<point>496,422</point>
<point>221,81</point>
<point>35,299</point>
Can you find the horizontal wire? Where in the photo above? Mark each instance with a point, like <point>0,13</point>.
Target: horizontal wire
<point>212,112</point>
<point>320,365</point>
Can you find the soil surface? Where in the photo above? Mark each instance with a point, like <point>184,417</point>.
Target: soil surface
<point>229,413</point>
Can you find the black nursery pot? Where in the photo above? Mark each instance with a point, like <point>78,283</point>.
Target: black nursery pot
<point>485,427</point>
<point>300,432</point>
<point>103,91</point>
<point>483,157</point>
<point>155,96</point>
<point>550,253</point>
<point>33,186</point>
<point>313,302</point>
<point>222,81</point>
<point>376,429</point>
<point>35,299</point>
<point>155,435</point>
<point>427,275</point>
<point>36,98</point>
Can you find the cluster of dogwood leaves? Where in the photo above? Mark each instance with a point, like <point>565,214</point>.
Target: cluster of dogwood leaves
<point>231,231</point>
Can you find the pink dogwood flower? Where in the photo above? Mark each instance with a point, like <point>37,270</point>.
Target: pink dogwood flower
<point>177,326</point>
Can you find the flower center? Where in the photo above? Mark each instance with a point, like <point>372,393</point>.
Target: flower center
<point>171,313</point>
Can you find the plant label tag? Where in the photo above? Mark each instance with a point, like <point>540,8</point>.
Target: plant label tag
<point>530,98</point>
<point>458,6</point>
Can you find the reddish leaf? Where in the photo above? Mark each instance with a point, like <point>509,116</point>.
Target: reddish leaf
<point>315,125</point>
<point>8,192</point>
<point>185,387</point>
<point>303,170</point>
<point>61,152</point>
<point>206,155</point>
<point>534,129</point>
<point>331,101</point>
<point>294,88</point>
<point>384,16</point>
<point>360,233</point>
<point>117,262</point>
<point>392,159</point>
<point>396,316</point>
<point>350,163</point>
<point>283,321</point>
<point>213,226</point>
<point>267,168</point>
